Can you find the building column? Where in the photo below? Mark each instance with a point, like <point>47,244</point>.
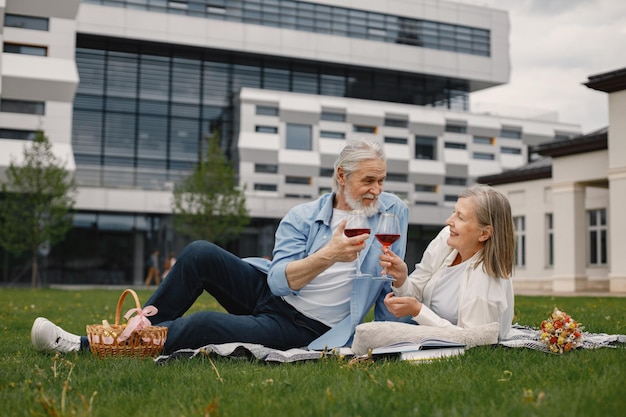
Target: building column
<point>617,231</point>
<point>570,231</point>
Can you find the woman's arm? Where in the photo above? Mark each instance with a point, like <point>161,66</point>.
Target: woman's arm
<point>431,261</point>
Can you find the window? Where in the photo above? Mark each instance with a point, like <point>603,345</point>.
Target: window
<point>332,135</point>
<point>391,122</point>
<point>392,176</point>
<point>397,141</point>
<point>549,240</point>
<point>519,222</point>
<point>333,117</point>
<point>456,181</point>
<point>450,198</point>
<point>327,172</point>
<point>426,203</point>
<point>297,180</point>
<point>276,78</point>
<point>304,79</point>
<point>364,129</point>
<point>298,137</point>
<point>266,129</point>
<point>266,111</point>
<point>456,128</point>
<point>266,168</point>
<point>425,147</point>
<point>511,151</point>
<point>17,134</point>
<point>511,132</point>
<point>177,4</point>
<point>558,137</point>
<point>597,237</point>
<point>265,187</point>
<point>484,156</point>
<point>484,140</point>
<point>26,22</point>
<point>425,188</point>
<point>218,10</point>
<point>22,106</point>
<point>402,195</point>
<point>455,145</point>
<point>14,48</point>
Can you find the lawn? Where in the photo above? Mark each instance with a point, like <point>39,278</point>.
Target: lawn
<point>486,381</point>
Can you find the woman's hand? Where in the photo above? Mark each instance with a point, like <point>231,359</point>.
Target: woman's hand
<point>394,266</point>
<point>402,306</point>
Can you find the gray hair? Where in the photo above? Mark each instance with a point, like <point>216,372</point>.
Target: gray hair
<point>493,208</point>
<point>355,152</point>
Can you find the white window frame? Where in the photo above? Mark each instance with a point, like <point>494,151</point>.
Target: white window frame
<point>520,240</point>
<point>598,250</point>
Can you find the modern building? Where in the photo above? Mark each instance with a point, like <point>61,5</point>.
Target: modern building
<point>568,206</point>
<point>128,90</point>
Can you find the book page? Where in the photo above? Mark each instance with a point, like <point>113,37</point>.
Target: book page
<point>431,354</point>
<point>426,344</point>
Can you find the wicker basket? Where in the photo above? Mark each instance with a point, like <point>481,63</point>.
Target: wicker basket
<point>104,339</point>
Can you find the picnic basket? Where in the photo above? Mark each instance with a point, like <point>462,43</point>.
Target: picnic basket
<point>141,339</point>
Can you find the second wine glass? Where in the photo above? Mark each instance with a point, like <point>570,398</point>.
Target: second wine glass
<point>387,232</point>
<point>357,224</point>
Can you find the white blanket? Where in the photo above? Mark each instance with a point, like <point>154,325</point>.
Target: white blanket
<point>375,334</point>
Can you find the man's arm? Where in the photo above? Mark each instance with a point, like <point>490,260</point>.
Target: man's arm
<point>302,250</point>
<point>339,249</point>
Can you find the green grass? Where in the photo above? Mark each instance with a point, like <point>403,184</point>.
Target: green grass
<point>486,381</point>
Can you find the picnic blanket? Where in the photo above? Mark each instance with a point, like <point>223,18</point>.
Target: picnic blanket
<point>529,337</point>
<point>519,337</point>
<point>247,351</point>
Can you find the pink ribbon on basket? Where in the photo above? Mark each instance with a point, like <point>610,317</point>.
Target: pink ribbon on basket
<point>138,322</point>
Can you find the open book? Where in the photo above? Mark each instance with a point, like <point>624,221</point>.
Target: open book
<point>427,349</point>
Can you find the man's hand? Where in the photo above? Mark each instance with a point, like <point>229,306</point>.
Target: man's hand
<point>339,249</point>
<point>402,306</point>
<point>346,249</point>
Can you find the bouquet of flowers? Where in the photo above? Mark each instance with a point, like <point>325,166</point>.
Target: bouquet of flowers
<point>560,332</point>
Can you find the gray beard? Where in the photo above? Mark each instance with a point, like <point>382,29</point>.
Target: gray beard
<point>354,204</point>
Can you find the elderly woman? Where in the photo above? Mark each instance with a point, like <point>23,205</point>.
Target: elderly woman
<point>463,277</point>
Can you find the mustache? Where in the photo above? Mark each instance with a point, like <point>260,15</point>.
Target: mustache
<point>370,196</point>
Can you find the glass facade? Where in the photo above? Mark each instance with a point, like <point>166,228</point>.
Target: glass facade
<point>320,18</point>
<point>141,110</point>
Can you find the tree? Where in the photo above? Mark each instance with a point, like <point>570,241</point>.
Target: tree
<point>37,201</point>
<point>209,204</point>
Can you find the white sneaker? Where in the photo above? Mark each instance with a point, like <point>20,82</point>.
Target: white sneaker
<point>48,337</point>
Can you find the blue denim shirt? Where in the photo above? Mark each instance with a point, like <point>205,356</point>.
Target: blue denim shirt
<point>304,230</point>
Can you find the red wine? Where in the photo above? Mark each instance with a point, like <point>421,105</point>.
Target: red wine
<point>356,232</point>
<point>387,239</point>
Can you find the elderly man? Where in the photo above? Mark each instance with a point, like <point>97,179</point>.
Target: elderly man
<point>306,296</point>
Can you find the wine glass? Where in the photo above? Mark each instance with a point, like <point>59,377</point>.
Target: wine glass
<point>357,224</point>
<point>387,232</point>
